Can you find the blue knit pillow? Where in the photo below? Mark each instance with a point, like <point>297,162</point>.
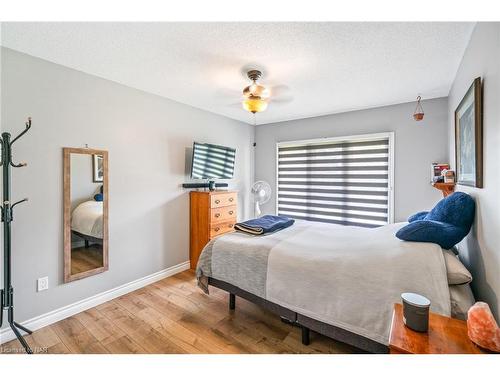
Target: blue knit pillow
<point>446,224</point>
<point>457,209</point>
<point>418,216</point>
<point>443,234</point>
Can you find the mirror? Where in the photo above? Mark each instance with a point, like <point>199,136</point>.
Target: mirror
<point>85,212</point>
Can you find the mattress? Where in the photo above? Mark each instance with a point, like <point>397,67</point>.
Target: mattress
<point>87,219</point>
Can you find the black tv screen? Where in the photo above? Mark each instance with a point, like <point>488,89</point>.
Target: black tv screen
<point>212,161</point>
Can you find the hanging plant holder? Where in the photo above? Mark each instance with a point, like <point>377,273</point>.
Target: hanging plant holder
<point>418,115</point>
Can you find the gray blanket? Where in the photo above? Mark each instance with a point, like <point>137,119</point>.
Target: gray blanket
<point>240,259</point>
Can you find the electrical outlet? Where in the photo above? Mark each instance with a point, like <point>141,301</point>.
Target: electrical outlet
<point>43,283</point>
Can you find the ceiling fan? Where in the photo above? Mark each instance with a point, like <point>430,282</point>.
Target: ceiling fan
<point>256,97</point>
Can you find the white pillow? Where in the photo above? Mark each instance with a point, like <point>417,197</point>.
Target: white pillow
<point>461,299</point>
<point>456,271</point>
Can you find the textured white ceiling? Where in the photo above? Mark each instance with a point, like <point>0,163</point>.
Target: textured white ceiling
<point>325,67</point>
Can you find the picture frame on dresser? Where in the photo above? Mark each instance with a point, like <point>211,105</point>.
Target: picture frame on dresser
<point>469,137</point>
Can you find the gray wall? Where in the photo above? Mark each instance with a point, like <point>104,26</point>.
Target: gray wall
<point>417,145</point>
<point>481,249</point>
<point>146,137</point>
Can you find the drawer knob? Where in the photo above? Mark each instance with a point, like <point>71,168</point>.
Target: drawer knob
<point>231,199</point>
<point>230,225</point>
<point>217,215</point>
<point>217,201</point>
<point>217,229</point>
<point>231,212</point>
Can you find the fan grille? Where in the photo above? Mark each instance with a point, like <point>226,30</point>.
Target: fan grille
<point>261,191</point>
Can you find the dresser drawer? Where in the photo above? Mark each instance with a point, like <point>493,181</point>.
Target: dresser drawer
<point>220,228</point>
<point>222,200</point>
<point>222,214</point>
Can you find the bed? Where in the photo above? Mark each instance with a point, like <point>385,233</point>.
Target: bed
<point>336,280</point>
<point>87,221</point>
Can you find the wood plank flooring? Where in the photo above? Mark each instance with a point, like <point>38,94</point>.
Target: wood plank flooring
<point>174,316</point>
<point>85,259</point>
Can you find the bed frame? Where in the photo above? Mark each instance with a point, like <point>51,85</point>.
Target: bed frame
<point>305,323</point>
<point>88,239</point>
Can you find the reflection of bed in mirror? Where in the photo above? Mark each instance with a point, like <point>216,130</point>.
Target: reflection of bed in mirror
<point>86,225</point>
<point>86,221</point>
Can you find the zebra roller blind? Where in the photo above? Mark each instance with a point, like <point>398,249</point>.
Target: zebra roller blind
<point>340,181</point>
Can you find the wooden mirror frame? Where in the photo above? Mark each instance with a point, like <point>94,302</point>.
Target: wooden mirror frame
<point>67,151</point>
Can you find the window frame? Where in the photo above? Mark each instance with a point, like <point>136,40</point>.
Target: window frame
<point>361,137</point>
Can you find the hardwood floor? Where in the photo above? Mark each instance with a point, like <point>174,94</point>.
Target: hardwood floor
<point>85,259</point>
<point>174,316</point>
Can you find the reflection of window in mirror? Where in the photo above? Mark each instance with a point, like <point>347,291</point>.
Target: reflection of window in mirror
<point>85,218</point>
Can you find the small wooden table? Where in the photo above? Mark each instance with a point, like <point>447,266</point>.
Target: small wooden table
<point>445,336</point>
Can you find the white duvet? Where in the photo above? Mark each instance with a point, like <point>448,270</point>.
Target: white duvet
<point>350,277</point>
<point>87,218</point>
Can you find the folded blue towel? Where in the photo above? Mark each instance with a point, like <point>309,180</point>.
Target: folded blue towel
<point>264,224</point>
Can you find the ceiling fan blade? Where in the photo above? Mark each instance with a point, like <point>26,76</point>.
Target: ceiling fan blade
<point>281,99</point>
<point>228,93</point>
<point>279,90</point>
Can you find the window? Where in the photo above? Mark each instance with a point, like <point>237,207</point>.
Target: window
<point>344,180</point>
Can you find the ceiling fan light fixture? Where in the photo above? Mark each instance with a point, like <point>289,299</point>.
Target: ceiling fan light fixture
<point>256,90</point>
<point>254,104</point>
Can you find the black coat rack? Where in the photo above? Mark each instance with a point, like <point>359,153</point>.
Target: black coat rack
<point>7,293</point>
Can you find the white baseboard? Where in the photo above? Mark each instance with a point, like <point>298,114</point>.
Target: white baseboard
<point>51,317</point>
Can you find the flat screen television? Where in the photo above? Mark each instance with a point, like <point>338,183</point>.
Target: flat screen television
<point>212,162</point>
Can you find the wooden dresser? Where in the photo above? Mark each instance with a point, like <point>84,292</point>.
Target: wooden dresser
<point>212,213</point>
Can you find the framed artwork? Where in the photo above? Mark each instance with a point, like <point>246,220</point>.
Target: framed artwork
<point>469,137</point>
<point>97,168</point>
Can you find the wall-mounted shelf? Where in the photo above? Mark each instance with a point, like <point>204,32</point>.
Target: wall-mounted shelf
<point>446,188</point>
